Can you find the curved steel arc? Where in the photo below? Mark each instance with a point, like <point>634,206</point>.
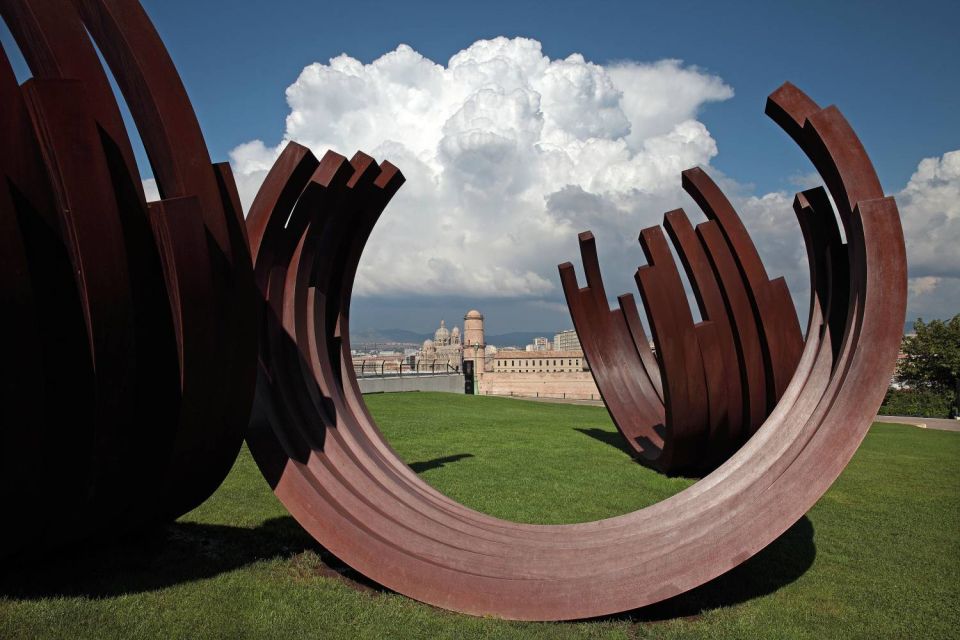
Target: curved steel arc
<point>632,395</point>
<point>44,303</point>
<point>781,338</point>
<point>146,411</point>
<point>117,304</point>
<point>330,466</point>
<point>706,290</point>
<point>678,350</point>
<point>726,358</point>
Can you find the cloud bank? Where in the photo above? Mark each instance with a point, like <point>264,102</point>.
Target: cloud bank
<point>509,154</point>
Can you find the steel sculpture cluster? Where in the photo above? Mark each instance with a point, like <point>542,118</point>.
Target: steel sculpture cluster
<point>712,383</point>
<point>130,327</point>
<point>133,331</point>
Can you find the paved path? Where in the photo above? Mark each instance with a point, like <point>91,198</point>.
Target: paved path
<point>940,424</point>
<point>591,403</point>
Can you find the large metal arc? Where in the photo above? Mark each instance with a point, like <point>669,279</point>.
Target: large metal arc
<point>146,316</point>
<point>330,466</point>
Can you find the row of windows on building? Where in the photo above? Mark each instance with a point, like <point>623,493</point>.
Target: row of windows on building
<point>536,365</point>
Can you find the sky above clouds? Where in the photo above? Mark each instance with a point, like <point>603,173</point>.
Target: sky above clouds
<point>518,125</point>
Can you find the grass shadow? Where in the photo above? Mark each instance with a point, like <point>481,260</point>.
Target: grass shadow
<point>437,463</point>
<point>165,556</point>
<point>612,438</point>
<point>782,562</point>
<point>616,440</point>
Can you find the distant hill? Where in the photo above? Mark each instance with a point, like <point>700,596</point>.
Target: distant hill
<point>517,338</point>
<point>388,335</point>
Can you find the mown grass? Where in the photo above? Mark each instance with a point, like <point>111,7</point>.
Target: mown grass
<point>878,556</point>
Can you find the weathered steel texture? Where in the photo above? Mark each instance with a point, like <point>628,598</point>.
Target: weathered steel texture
<point>134,330</point>
<point>137,334</point>
<point>627,386</point>
<point>678,349</point>
<point>710,302</point>
<point>721,374</point>
<point>327,462</point>
<point>781,338</point>
<point>747,339</point>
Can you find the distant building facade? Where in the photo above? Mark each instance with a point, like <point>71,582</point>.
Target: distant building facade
<point>539,344</point>
<point>566,341</point>
<point>508,361</point>
<point>541,371</point>
<point>445,350</point>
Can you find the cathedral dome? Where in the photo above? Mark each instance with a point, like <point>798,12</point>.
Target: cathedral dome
<point>428,345</point>
<point>442,335</point>
<point>455,333</point>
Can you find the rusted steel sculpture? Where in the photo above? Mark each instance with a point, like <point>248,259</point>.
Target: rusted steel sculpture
<point>134,327</point>
<point>327,462</point>
<point>712,383</point>
<point>133,324</point>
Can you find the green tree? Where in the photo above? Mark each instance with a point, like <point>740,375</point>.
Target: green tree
<point>932,359</point>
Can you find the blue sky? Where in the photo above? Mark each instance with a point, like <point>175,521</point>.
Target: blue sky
<point>890,66</point>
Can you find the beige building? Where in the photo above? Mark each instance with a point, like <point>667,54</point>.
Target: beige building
<point>509,361</point>
<point>566,341</point>
<point>539,344</point>
<point>548,373</point>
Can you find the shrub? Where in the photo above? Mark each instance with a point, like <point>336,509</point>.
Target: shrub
<point>923,403</point>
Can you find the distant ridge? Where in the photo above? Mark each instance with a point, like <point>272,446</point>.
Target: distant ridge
<point>518,338</point>
<point>388,335</point>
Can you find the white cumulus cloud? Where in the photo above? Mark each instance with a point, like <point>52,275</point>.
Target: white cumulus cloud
<point>930,210</point>
<point>508,154</point>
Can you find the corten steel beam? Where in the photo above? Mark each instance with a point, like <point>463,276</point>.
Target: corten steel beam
<point>747,339</point>
<point>137,322</point>
<point>781,338</point>
<point>685,398</point>
<point>706,291</point>
<point>721,384</point>
<point>627,388</point>
<point>328,463</point>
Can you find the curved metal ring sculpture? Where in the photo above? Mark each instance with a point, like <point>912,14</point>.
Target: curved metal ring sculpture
<point>132,325</point>
<point>330,466</point>
<point>711,384</point>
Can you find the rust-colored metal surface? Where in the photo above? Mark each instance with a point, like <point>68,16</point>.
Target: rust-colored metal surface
<point>135,323</point>
<point>713,383</point>
<point>134,329</point>
<point>328,463</point>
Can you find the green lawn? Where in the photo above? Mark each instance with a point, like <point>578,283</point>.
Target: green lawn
<point>878,556</point>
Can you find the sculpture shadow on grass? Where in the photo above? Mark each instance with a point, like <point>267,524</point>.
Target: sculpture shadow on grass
<point>185,552</point>
<point>438,463</point>
<point>166,556</point>
<point>612,438</point>
<point>616,440</point>
<point>782,562</point>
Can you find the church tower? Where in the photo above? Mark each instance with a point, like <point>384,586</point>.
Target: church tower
<point>473,332</point>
